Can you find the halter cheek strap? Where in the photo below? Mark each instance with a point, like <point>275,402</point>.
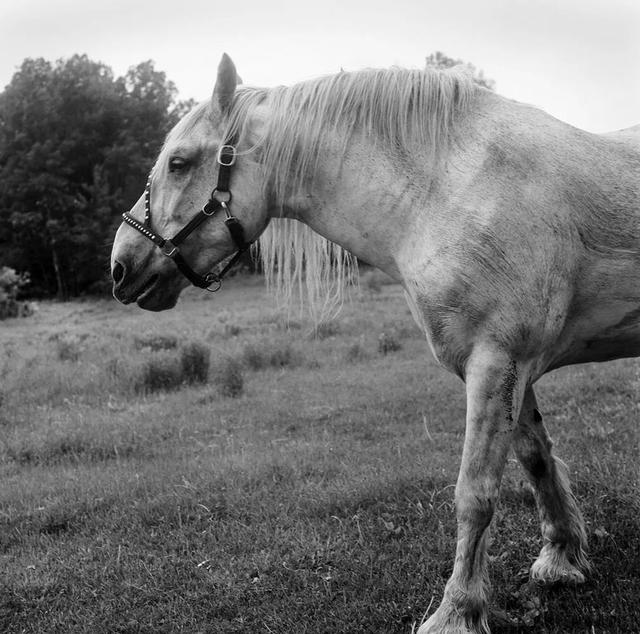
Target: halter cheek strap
<point>219,200</point>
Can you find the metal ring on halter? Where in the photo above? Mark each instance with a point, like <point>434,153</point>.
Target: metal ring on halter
<point>214,280</point>
<point>221,196</point>
<point>227,149</point>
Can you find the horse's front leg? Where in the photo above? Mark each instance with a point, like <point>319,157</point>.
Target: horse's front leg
<point>495,388</point>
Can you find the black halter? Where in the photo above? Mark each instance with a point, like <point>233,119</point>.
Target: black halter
<point>219,199</point>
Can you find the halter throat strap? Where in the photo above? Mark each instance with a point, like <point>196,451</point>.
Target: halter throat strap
<point>219,200</point>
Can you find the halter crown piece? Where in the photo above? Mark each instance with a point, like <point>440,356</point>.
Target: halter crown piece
<point>219,200</point>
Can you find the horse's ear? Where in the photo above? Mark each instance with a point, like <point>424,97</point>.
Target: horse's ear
<point>225,84</point>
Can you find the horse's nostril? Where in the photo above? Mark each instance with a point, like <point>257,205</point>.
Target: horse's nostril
<point>117,272</point>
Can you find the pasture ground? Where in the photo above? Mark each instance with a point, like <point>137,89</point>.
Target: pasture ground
<point>319,499</point>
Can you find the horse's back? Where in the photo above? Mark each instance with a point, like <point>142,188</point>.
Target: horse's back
<point>629,136</point>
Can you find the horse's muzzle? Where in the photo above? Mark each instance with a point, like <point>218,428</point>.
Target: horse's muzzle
<point>127,287</point>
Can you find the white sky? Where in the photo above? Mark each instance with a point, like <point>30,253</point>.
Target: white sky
<point>577,59</point>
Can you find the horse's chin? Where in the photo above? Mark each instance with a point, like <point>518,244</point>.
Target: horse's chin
<point>156,299</point>
<point>161,295</point>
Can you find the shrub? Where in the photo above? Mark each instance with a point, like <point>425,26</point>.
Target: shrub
<point>156,342</point>
<point>161,372</point>
<point>356,353</point>
<point>11,283</point>
<point>112,367</point>
<point>170,370</point>
<point>68,348</point>
<point>194,358</point>
<point>254,357</point>
<point>326,329</point>
<point>388,342</point>
<point>288,324</point>
<point>228,377</point>
<point>267,354</point>
<point>371,282</point>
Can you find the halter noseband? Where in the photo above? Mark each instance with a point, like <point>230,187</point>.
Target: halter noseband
<point>219,199</point>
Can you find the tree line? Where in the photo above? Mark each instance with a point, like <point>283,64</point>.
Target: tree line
<point>76,144</point>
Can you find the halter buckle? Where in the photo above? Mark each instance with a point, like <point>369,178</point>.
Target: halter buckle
<point>169,249</point>
<point>209,209</point>
<point>223,155</point>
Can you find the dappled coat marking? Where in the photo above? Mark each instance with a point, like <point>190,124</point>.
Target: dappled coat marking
<point>516,238</point>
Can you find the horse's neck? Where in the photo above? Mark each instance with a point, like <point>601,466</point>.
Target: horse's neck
<point>375,202</point>
<point>364,200</point>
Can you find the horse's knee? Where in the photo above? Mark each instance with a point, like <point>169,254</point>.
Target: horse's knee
<point>475,507</point>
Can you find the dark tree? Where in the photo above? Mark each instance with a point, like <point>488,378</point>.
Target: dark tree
<point>75,147</point>
<point>440,60</point>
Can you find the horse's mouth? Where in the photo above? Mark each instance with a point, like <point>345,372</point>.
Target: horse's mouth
<point>153,297</point>
<point>146,288</point>
<point>129,296</point>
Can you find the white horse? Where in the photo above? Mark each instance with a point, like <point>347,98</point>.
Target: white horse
<point>515,236</point>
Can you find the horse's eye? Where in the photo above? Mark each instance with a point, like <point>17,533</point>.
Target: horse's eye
<point>177,164</point>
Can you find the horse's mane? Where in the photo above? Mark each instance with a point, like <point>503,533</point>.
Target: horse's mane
<point>397,108</point>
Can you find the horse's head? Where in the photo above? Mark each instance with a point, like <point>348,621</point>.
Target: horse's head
<point>191,165</point>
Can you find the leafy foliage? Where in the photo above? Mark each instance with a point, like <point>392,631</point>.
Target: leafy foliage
<point>11,283</point>
<point>440,60</point>
<point>75,146</point>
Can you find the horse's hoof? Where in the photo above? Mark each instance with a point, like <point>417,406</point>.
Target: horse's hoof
<point>553,567</point>
<point>446,620</point>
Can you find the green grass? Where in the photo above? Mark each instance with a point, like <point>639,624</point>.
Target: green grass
<point>316,497</point>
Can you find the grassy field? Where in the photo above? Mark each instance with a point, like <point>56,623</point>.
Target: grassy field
<point>297,484</point>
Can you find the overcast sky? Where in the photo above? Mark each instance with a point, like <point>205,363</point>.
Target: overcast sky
<point>577,59</point>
